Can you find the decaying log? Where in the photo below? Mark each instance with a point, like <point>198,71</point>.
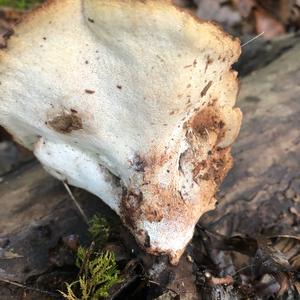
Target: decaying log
<point>35,212</point>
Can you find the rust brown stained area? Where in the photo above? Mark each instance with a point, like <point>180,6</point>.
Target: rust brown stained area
<point>209,166</point>
<point>166,203</point>
<point>209,119</point>
<point>66,123</point>
<point>153,212</point>
<point>216,166</point>
<point>219,161</point>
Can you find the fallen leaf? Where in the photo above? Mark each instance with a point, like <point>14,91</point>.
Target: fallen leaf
<point>264,22</point>
<point>9,254</point>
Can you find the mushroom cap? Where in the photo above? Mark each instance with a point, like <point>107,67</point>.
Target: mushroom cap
<point>131,100</point>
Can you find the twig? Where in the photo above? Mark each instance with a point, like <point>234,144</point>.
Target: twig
<point>125,285</point>
<point>242,269</point>
<point>166,288</point>
<point>76,203</point>
<point>23,286</point>
<point>253,39</point>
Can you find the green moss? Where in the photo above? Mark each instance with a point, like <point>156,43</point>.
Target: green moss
<point>99,230</point>
<point>20,4</point>
<point>98,270</point>
<point>98,274</point>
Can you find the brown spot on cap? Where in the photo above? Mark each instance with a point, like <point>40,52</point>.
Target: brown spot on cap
<point>74,111</point>
<point>66,123</point>
<point>205,90</point>
<point>208,62</point>
<point>89,91</point>
<point>153,213</point>
<point>209,119</point>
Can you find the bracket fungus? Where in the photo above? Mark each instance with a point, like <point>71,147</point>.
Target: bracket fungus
<point>131,100</point>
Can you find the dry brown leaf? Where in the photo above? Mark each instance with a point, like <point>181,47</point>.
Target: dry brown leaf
<point>266,23</point>
<point>290,246</point>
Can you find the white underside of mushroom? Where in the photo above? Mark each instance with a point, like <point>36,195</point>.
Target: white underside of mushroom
<point>130,100</point>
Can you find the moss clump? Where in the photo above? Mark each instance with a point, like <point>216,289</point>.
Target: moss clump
<point>98,270</point>
<point>98,274</point>
<point>99,230</point>
<point>20,4</point>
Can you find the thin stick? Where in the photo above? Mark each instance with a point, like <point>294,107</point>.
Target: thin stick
<point>241,269</point>
<point>253,39</point>
<point>76,203</point>
<point>20,285</point>
<point>158,284</point>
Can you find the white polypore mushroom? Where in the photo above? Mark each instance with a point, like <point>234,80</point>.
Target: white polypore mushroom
<point>130,100</point>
